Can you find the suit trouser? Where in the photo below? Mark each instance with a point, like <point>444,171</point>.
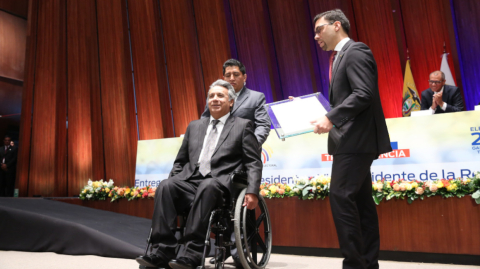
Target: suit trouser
<point>7,183</point>
<point>173,198</point>
<point>354,211</point>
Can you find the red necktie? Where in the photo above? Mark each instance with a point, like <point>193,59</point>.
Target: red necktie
<point>332,57</point>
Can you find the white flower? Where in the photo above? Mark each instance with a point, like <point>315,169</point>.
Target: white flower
<point>89,196</point>
<point>89,182</point>
<point>477,175</point>
<point>296,190</point>
<point>110,183</point>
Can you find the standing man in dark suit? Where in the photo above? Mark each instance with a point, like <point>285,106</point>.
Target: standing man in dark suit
<point>211,150</point>
<point>441,98</point>
<point>357,135</point>
<point>248,104</point>
<point>8,164</point>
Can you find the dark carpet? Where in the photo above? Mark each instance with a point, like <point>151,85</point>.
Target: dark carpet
<point>40,225</point>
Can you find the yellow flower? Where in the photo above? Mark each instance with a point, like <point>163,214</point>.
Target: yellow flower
<point>110,195</point>
<point>287,188</point>
<point>107,190</point>
<point>127,191</point>
<point>440,184</point>
<point>374,187</point>
<point>273,189</point>
<point>452,187</point>
<point>139,195</point>
<point>468,180</point>
<point>84,190</point>
<point>414,185</point>
<point>318,187</point>
<point>408,187</point>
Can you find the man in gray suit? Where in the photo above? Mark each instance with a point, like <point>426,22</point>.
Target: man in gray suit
<point>211,150</point>
<point>248,104</point>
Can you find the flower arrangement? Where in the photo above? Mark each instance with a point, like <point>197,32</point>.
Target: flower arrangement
<point>318,187</point>
<point>96,190</point>
<point>413,190</point>
<point>99,190</point>
<point>275,190</point>
<point>306,188</point>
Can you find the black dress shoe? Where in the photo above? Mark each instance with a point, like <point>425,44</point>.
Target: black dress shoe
<point>237,263</point>
<point>219,257</point>
<point>183,263</point>
<point>152,261</point>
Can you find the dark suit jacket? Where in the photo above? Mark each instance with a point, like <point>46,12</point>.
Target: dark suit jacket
<point>236,150</point>
<point>451,95</point>
<point>10,157</point>
<point>250,106</point>
<point>356,108</point>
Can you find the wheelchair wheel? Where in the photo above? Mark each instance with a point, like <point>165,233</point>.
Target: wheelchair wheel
<point>253,233</point>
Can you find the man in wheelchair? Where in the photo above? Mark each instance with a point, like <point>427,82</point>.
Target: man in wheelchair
<point>212,149</point>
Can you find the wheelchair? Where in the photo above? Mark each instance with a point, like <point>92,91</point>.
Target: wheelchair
<point>252,229</point>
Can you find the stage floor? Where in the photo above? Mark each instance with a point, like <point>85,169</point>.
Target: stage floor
<point>48,260</point>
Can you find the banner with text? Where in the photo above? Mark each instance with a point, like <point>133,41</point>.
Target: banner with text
<point>424,148</point>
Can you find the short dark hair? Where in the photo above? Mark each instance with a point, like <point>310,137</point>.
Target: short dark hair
<point>7,136</point>
<point>333,16</point>
<point>234,62</point>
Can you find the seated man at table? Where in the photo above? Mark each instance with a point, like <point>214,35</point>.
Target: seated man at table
<point>441,98</point>
<point>211,150</point>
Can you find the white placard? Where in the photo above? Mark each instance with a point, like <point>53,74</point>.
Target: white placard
<point>421,113</point>
<point>295,116</point>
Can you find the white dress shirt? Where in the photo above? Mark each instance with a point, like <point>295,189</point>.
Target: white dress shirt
<point>444,107</point>
<point>237,94</point>
<point>338,48</point>
<point>219,127</point>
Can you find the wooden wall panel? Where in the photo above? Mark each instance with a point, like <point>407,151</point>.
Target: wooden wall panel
<point>23,159</point>
<point>378,32</point>
<point>85,135</point>
<point>13,31</point>
<point>118,107</point>
<point>48,155</point>
<point>320,6</point>
<point>16,7</point>
<point>151,86</point>
<point>255,47</point>
<point>425,34</point>
<point>418,227</point>
<point>294,44</point>
<point>185,78</point>
<point>212,38</point>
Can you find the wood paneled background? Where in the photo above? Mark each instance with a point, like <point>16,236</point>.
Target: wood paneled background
<point>100,75</point>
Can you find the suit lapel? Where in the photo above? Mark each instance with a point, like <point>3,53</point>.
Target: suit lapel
<point>445,95</point>
<point>244,94</point>
<point>226,129</point>
<point>202,131</point>
<point>335,68</point>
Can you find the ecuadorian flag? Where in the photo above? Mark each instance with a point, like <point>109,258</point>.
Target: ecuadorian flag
<point>411,100</point>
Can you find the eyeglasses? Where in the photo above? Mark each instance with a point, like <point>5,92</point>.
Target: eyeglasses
<point>319,28</point>
<point>434,82</point>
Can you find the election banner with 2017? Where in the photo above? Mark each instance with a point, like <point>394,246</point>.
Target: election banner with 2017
<point>424,148</point>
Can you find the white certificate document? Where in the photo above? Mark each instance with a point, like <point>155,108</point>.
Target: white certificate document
<point>295,116</point>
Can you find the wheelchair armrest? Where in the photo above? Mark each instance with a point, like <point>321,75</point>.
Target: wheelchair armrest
<point>239,178</point>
